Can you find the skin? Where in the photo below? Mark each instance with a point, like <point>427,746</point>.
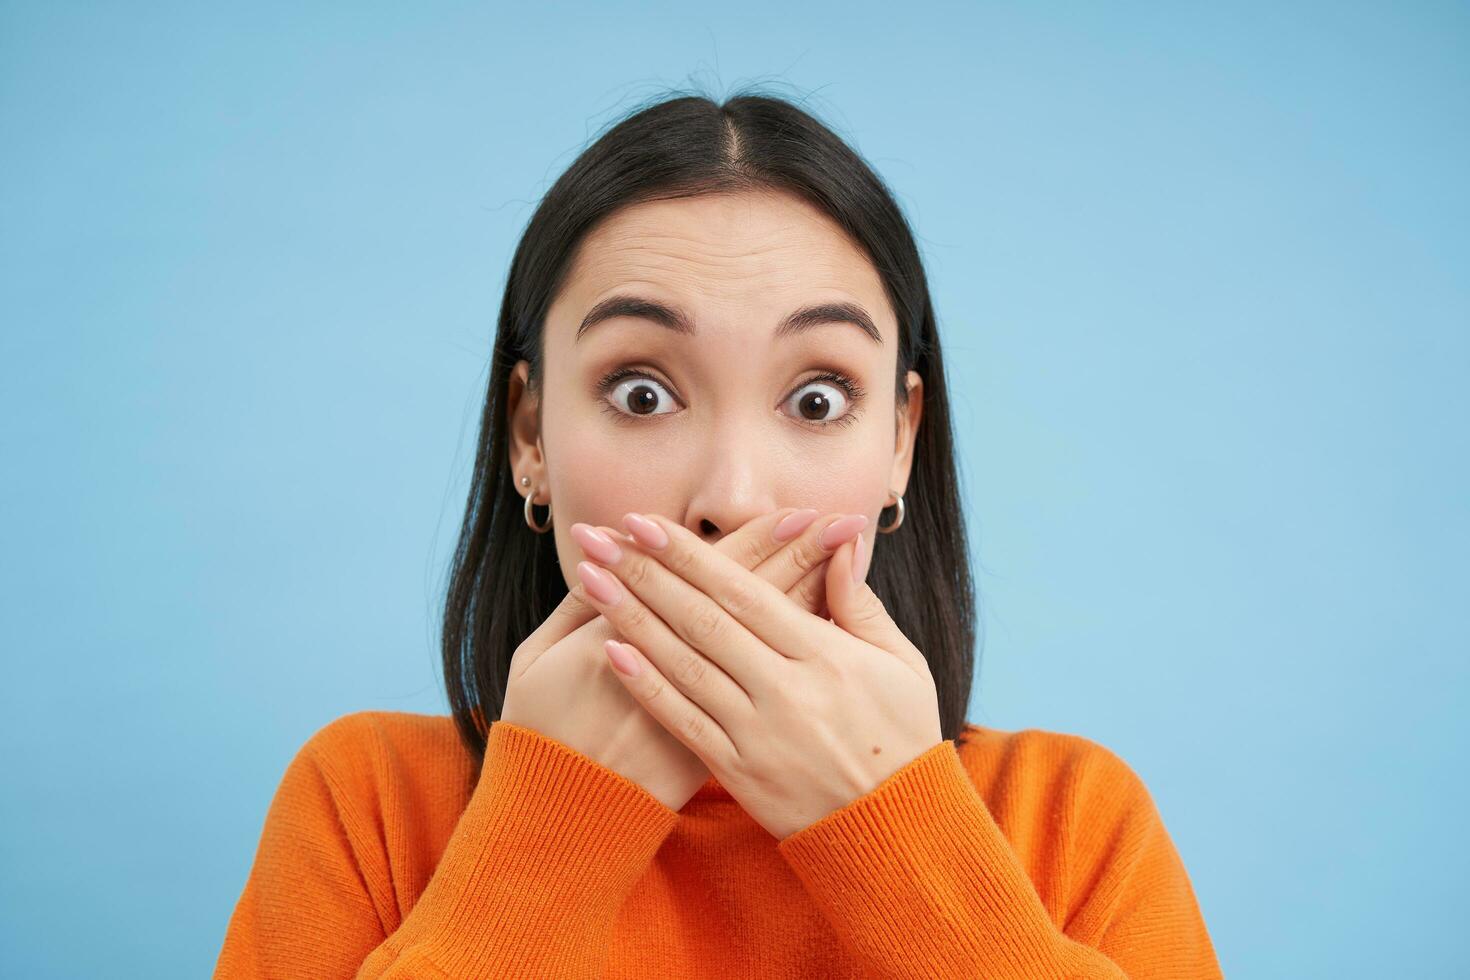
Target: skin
<point>735,443</point>
<point>797,716</point>
<point>718,427</point>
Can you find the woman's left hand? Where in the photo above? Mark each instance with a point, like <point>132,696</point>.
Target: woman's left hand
<point>795,715</point>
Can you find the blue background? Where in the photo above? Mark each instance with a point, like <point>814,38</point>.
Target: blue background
<point>1201,275</point>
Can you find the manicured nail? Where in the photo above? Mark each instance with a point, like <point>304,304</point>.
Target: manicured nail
<point>793,524</point>
<point>597,544</point>
<point>621,658</point>
<point>860,557</point>
<point>599,584</point>
<point>646,532</point>
<point>841,531</point>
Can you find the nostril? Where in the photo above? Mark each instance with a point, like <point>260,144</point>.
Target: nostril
<point>707,529</point>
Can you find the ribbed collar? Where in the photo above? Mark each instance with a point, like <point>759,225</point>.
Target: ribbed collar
<point>711,790</point>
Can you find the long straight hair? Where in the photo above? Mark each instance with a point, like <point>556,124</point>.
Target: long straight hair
<point>505,579</point>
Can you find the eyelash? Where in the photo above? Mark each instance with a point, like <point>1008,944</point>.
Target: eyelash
<point>850,387</point>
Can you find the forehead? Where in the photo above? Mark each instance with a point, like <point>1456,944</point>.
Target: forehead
<point>722,256</point>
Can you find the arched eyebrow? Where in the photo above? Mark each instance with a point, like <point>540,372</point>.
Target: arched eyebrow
<point>675,319</point>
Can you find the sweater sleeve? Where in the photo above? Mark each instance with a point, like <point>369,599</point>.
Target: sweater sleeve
<point>918,880</point>
<point>542,858</point>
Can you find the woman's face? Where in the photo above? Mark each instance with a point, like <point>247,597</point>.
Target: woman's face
<point>708,411</point>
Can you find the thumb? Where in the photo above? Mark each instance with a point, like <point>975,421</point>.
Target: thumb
<point>854,606</point>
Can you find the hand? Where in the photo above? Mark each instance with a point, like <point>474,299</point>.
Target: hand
<point>795,715</point>
<point>559,684</point>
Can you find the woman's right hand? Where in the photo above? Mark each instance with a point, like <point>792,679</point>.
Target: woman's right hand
<point>561,686</point>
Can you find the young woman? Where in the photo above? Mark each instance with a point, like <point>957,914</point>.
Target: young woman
<point>708,712</point>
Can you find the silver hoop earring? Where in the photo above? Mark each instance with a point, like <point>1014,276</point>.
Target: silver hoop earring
<point>894,526</point>
<point>531,521</point>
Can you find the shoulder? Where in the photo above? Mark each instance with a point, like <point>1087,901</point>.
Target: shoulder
<point>373,795</point>
<point>374,737</point>
<point>371,760</point>
<point>1036,768</point>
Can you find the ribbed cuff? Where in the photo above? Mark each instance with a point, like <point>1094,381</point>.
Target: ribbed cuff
<point>919,880</point>
<point>544,856</point>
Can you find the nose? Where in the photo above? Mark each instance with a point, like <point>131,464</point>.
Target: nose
<point>713,521</point>
<point>735,482</point>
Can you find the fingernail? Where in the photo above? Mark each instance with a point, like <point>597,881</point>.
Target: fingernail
<point>646,532</point>
<point>793,524</point>
<point>860,560</point>
<point>597,544</point>
<point>841,531</point>
<point>621,658</point>
<point>599,584</point>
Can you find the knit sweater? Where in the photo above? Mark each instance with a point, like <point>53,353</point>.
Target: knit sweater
<point>1024,854</point>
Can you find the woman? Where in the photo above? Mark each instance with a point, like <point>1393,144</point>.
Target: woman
<point>727,670</point>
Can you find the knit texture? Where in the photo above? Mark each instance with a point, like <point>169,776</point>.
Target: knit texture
<point>1024,854</point>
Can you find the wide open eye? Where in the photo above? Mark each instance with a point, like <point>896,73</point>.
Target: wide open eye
<point>637,395</point>
<point>820,402</point>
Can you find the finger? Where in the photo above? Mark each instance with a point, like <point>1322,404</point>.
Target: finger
<point>811,592</point>
<point>706,630</point>
<point>700,678</point>
<point>857,609</point>
<point>754,545</point>
<point>572,613</point>
<point>748,602</point>
<point>669,706</point>
<point>775,548</point>
<point>757,540</point>
<point>810,547</point>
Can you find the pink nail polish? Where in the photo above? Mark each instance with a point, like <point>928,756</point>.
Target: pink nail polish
<point>793,524</point>
<point>645,532</point>
<point>596,544</point>
<point>840,531</point>
<point>860,557</point>
<point>599,584</point>
<point>621,658</point>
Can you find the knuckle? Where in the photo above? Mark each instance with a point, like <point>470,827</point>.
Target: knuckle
<point>636,618</point>
<point>693,729</point>
<point>689,672</point>
<point>807,592</point>
<point>748,552</point>
<point>740,600</point>
<point>634,574</point>
<point>703,627</point>
<point>576,603</point>
<point>680,558</point>
<point>873,613</point>
<point>810,555</point>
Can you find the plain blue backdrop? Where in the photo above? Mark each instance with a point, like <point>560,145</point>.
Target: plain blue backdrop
<point>1201,274</point>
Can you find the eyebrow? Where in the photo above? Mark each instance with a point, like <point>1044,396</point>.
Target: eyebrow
<point>675,319</point>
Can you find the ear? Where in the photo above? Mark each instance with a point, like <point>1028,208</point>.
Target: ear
<point>908,417</point>
<point>523,428</point>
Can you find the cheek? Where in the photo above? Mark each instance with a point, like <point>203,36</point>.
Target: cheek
<point>594,482</point>
<point>599,478</point>
<point>601,474</point>
<point>844,472</point>
<point>853,483</point>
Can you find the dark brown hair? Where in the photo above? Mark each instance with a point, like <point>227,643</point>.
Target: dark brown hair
<point>505,579</point>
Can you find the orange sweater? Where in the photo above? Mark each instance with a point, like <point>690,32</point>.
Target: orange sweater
<point>1021,854</point>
